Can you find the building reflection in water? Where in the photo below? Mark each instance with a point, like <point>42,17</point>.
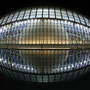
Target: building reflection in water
<point>44,61</point>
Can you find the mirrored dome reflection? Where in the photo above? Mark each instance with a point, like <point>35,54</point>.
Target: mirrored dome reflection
<point>44,61</point>
<point>44,44</point>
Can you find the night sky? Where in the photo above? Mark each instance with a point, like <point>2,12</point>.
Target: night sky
<point>83,8</point>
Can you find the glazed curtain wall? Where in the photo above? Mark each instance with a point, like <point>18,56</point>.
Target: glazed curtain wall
<point>44,31</point>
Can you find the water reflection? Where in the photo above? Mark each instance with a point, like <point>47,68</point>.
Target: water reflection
<point>44,61</point>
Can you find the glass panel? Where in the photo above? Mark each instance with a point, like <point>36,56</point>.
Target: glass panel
<point>70,16</point>
<point>39,78</point>
<point>5,19</point>
<point>45,78</point>
<point>64,14</point>
<point>58,13</point>
<point>33,13</point>
<point>21,14</point>
<point>27,13</point>
<point>10,18</point>
<point>15,16</point>
<point>86,20</point>
<point>39,13</point>
<point>76,18</point>
<point>45,12</point>
<point>51,13</point>
<point>81,19</point>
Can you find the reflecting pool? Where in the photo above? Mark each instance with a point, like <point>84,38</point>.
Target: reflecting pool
<point>44,61</point>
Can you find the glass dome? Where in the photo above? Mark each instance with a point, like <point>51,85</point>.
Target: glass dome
<point>44,44</point>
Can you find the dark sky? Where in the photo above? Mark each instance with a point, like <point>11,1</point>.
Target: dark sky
<point>82,7</point>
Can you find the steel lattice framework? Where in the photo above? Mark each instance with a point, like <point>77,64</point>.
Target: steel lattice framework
<point>43,44</point>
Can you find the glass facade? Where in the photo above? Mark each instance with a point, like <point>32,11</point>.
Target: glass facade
<point>44,44</point>
<point>44,32</point>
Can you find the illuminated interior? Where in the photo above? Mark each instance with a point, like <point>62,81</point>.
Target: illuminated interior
<point>43,43</point>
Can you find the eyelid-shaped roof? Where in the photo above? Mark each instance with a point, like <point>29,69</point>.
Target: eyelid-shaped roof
<point>53,13</point>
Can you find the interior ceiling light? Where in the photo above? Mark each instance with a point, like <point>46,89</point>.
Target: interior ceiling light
<point>43,44</point>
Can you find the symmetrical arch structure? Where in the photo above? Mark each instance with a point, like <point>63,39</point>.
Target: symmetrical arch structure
<point>44,44</point>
